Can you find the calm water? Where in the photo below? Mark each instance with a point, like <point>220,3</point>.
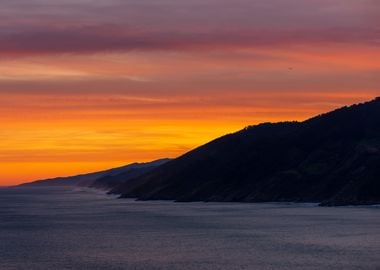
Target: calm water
<point>64,229</point>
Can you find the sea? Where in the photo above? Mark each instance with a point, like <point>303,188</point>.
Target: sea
<point>71,228</point>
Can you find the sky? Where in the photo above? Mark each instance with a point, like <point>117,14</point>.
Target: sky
<point>88,84</point>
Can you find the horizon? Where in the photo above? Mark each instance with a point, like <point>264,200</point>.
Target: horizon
<point>171,158</point>
<point>101,169</point>
<point>89,85</point>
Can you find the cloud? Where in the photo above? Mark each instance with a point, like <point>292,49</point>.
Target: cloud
<point>92,26</point>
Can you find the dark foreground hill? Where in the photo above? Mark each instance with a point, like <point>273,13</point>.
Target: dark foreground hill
<point>333,159</point>
<point>102,179</point>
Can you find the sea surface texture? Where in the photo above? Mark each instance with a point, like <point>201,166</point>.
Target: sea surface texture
<point>57,229</point>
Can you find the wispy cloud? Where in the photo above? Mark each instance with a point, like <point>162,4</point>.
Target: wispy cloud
<point>92,26</point>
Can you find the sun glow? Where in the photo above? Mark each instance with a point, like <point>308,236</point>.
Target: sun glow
<point>81,92</point>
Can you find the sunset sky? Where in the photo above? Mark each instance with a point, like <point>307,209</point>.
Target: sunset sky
<point>88,84</point>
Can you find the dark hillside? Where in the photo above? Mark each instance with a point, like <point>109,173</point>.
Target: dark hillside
<point>333,158</point>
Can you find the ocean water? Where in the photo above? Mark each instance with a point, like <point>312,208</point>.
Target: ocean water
<point>83,229</point>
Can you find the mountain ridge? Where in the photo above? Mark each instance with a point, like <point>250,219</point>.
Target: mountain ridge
<point>331,159</point>
<point>95,179</point>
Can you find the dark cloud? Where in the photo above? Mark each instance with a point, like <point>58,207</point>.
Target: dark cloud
<point>88,26</point>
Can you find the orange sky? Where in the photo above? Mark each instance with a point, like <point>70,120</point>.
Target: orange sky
<point>83,90</point>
